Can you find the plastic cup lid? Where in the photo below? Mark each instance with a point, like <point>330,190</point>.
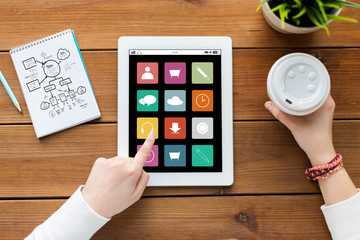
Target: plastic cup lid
<point>298,84</point>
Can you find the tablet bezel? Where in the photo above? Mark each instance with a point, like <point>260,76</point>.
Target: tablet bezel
<point>224,178</point>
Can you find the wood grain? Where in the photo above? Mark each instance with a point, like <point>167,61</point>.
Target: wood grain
<point>266,159</point>
<point>245,217</point>
<point>251,67</point>
<point>98,24</point>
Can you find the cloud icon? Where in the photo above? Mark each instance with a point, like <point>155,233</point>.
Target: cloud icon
<point>175,101</point>
<point>63,54</point>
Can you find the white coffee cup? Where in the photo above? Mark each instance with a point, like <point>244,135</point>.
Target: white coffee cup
<point>298,84</point>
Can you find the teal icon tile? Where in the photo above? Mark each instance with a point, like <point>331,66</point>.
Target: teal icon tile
<point>202,155</point>
<point>147,100</point>
<point>202,73</point>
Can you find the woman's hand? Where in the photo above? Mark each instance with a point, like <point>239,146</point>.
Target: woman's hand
<point>312,132</point>
<point>115,184</point>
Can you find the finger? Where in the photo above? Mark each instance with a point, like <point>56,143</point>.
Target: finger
<point>141,184</point>
<point>329,105</point>
<point>145,149</point>
<point>284,118</point>
<point>325,112</point>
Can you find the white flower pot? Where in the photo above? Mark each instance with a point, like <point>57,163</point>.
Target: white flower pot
<point>275,22</point>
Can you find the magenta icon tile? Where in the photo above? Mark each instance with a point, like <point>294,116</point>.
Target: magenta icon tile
<point>175,73</point>
<point>153,158</point>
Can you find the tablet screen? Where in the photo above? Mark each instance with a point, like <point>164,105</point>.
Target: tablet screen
<point>177,93</point>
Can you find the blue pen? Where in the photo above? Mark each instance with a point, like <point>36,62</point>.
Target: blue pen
<point>9,91</point>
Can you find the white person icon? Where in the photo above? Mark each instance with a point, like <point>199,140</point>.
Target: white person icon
<point>147,72</point>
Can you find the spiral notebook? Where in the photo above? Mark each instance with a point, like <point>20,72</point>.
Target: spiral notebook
<point>55,83</point>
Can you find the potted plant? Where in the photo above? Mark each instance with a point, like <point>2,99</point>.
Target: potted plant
<point>303,16</point>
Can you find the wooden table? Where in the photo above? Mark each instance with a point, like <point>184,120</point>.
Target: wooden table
<point>270,198</point>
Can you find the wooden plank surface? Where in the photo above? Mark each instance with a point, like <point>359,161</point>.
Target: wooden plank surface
<point>98,24</point>
<point>236,217</point>
<point>267,160</point>
<point>56,165</point>
<point>249,83</point>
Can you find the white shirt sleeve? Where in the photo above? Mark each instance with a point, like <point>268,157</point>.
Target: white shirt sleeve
<point>343,218</point>
<point>75,219</point>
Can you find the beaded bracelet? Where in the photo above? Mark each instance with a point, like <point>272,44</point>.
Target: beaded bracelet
<point>325,170</point>
<point>340,166</point>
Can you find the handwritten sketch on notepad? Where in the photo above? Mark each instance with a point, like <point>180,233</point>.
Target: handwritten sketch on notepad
<point>48,74</point>
<point>55,83</point>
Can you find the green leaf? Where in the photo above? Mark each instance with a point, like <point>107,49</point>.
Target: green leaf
<point>297,4</point>
<point>330,5</point>
<point>297,21</point>
<point>262,3</point>
<point>318,15</point>
<point>286,13</point>
<point>322,10</point>
<point>312,17</point>
<point>346,4</point>
<point>280,6</point>
<point>282,17</point>
<point>315,10</point>
<point>334,17</point>
<point>302,12</point>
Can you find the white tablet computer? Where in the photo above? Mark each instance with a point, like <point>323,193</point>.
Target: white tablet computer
<point>181,87</point>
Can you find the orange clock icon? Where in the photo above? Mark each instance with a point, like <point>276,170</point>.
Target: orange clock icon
<point>202,100</point>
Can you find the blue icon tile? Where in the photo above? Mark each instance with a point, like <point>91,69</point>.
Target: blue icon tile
<point>175,155</point>
<point>175,101</point>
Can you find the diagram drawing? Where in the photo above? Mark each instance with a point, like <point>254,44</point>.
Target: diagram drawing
<point>48,76</point>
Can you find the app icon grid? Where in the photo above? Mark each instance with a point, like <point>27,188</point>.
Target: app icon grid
<point>163,102</point>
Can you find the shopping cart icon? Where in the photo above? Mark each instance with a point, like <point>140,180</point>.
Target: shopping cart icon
<point>174,155</point>
<point>175,72</point>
